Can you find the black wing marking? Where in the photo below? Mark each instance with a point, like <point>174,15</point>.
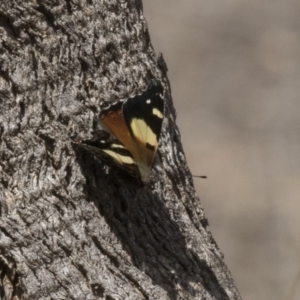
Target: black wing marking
<point>149,106</point>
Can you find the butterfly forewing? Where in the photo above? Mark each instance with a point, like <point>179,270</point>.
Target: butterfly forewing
<point>143,116</point>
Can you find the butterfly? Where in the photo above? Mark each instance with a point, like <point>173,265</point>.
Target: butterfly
<point>134,125</point>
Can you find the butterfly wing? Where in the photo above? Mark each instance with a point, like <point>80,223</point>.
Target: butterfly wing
<point>113,149</point>
<point>143,115</point>
<point>112,120</point>
<point>136,124</point>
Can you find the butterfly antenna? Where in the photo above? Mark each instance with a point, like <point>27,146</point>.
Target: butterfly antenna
<point>198,176</point>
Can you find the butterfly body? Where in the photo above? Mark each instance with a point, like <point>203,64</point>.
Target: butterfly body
<point>136,125</point>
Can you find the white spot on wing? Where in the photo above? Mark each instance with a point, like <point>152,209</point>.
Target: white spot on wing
<point>148,101</point>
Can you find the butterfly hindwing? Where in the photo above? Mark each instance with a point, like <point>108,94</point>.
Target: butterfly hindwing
<point>112,120</point>
<point>113,149</point>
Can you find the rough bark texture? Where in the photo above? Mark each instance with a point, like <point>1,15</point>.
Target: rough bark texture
<point>70,227</point>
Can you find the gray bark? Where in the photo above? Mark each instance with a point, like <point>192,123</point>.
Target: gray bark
<point>70,227</point>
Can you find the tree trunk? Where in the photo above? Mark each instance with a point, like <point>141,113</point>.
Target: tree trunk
<point>71,227</point>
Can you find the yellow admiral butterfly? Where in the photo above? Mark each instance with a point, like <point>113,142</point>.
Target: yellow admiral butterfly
<point>136,125</point>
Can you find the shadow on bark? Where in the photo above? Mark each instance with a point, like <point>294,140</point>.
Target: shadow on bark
<point>146,231</point>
